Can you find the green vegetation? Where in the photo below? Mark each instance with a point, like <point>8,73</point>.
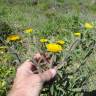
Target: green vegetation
<point>53,20</point>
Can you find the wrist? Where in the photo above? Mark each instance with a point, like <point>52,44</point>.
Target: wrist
<point>24,91</point>
<point>17,92</point>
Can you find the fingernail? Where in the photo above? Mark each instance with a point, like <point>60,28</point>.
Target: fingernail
<point>53,71</point>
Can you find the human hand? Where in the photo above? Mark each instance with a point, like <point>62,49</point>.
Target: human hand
<point>27,83</point>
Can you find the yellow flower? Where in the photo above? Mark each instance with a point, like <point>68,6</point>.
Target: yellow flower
<point>43,40</point>
<point>30,30</point>
<point>60,42</point>
<point>88,26</point>
<point>78,34</point>
<point>13,38</point>
<point>53,47</point>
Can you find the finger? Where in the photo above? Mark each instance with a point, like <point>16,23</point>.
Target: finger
<point>37,56</point>
<point>28,65</point>
<point>47,56</point>
<point>47,75</point>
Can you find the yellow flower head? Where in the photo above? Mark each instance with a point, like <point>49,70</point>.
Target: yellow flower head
<point>61,42</point>
<point>78,34</point>
<point>30,30</point>
<point>43,40</point>
<point>53,47</point>
<point>88,26</point>
<point>13,38</point>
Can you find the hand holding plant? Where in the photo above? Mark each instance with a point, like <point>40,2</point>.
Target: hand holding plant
<point>27,83</point>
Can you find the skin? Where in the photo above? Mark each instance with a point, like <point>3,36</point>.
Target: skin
<point>27,83</point>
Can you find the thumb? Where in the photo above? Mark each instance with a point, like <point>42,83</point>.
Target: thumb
<point>47,75</point>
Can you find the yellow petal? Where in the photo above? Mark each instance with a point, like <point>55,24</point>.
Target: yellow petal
<point>78,34</point>
<point>30,30</point>
<point>43,40</point>
<point>13,38</point>
<point>53,47</point>
<point>88,25</point>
